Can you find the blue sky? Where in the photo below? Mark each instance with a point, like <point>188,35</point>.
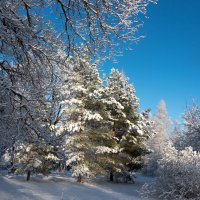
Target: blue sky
<point>166,63</point>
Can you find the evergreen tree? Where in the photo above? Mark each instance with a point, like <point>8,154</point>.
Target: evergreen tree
<point>129,126</point>
<point>90,143</point>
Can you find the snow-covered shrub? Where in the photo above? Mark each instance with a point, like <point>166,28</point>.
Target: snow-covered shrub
<point>178,175</point>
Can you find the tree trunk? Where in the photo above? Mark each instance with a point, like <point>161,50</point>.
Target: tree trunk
<point>59,167</point>
<point>12,167</point>
<point>79,179</point>
<point>28,175</point>
<point>111,176</point>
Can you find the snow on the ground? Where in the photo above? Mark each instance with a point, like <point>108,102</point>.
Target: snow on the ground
<point>57,187</point>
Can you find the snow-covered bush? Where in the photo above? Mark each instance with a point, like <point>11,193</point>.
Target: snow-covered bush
<point>178,175</point>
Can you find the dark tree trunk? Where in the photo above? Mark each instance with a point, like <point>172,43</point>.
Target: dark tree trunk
<point>111,176</point>
<point>68,167</point>
<point>79,179</point>
<point>12,167</point>
<point>59,167</point>
<point>28,175</point>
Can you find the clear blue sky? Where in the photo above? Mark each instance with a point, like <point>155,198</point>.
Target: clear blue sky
<point>166,64</point>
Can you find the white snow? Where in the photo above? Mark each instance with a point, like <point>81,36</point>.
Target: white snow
<point>103,149</point>
<point>57,187</point>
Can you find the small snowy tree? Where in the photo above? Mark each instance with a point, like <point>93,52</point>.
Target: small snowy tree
<point>162,127</point>
<point>37,159</point>
<point>192,127</point>
<point>177,137</point>
<point>163,123</point>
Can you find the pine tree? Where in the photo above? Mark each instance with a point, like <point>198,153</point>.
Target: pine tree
<point>129,126</point>
<point>105,131</point>
<point>90,141</point>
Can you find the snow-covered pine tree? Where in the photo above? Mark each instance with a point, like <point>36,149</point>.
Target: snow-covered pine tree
<point>90,143</point>
<point>125,103</point>
<point>129,126</point>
